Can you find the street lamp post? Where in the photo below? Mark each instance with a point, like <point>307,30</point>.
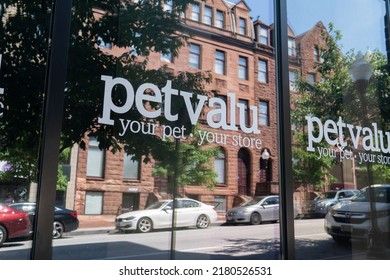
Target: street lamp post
<point>265,156</point>
<point>361,72</point>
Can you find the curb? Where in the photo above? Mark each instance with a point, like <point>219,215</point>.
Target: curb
<point>108,230</point>
<point>88,231</point>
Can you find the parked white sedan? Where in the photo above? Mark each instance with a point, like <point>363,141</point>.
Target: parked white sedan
<point>189,212</point>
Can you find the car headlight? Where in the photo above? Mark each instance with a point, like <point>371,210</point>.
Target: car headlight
<point>243,211</point>
<point>128,219</point>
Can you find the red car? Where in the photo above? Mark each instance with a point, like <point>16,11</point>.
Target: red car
<point>13,223</point>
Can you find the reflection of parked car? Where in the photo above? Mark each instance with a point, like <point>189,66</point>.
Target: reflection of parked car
<point>189,213</point>
<point>13,223</point>
<point>65,220</point>
<point>255,211</point>
<point>351,219</point>
<point>326,200</point>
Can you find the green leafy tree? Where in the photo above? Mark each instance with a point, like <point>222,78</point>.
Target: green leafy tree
<point>138,27</point>
<point>190,164</point>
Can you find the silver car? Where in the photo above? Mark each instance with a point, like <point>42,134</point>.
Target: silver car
<point>327,199</point>
<point>255,211</point>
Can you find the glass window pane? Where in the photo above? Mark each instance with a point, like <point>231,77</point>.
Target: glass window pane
<point>220,166</point>
<point>242,26</point>
<point>219,19</point>
<point>219,66</point>
<point>208,15</point>
<point>243,68</point>
<point>341,89</point>
<point>264,113</point>
<point>24,33</point>
<point>95,161</point>
<point>195,12</point>
<point>262,71</point>
<point>130,167</point>
<point>93,203</point>
<point>194,56</point>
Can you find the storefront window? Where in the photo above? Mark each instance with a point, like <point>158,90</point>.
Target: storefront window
<point>172,120</point>
<point>340,127</point>
<point>23,51</point>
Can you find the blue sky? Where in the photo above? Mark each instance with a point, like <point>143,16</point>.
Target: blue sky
<point>360,21</point>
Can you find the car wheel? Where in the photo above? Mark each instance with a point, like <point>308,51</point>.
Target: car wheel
<point>3,235</point>
<point>58,230</point>
<point>202,221</point>
<point>144,225</point>
<point>255,219</point>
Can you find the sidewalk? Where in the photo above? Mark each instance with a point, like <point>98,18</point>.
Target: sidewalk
<point>94,225</point>
<point>87,221</point>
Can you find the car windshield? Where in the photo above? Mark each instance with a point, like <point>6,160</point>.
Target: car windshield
<point>156,205</point>
<point>382,195</point>
<point>326,195</point>
<point>254,201</point>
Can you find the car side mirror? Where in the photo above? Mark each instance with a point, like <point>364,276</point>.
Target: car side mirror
<point>166,208</point>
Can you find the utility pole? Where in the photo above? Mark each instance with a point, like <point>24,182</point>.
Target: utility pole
<point>387,31</point>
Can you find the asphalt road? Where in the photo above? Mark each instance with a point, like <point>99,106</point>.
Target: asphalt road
<point>218,242</point>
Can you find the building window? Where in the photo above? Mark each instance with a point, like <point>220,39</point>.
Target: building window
<point>195,12</point>
<point>264,113</point>
<point>292,49</point>
<point>317,56</point>
<point>219,19</point>
<point>168,6</point>
<point>242,103</point>
<point>220,203</point>
<point>311,78</point>
<point>218,117</point>
<point>220,166</point>
<point>95,159</point>
<point>263,35</point>
<point>130,167</point>
<point>293,77</point>
<point>167,57</point>
<point>194,56</point>
<point>93,203</point>
<point>263,71</point>
<point>243,68</point>
<point>219,66</point>
<point>242,26</point>
<point>208,15</point>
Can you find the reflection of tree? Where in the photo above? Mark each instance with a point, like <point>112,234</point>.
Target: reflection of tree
<point>142,27</point>
<point>322,99</point>
<point>192,163</point>
<point>337,96</point>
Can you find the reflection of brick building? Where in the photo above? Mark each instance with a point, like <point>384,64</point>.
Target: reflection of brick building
<point>241,57</point>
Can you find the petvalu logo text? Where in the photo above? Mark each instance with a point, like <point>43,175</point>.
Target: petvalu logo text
<point>228,115</point>
<point>348,137</point>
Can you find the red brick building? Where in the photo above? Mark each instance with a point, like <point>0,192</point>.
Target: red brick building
<point>239,53</point>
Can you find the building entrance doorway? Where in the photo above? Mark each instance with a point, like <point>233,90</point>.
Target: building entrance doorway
<point>243,175</point>
<point>130,202</point>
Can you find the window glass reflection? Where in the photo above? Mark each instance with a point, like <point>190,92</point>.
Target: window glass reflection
<point>339,93</point>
